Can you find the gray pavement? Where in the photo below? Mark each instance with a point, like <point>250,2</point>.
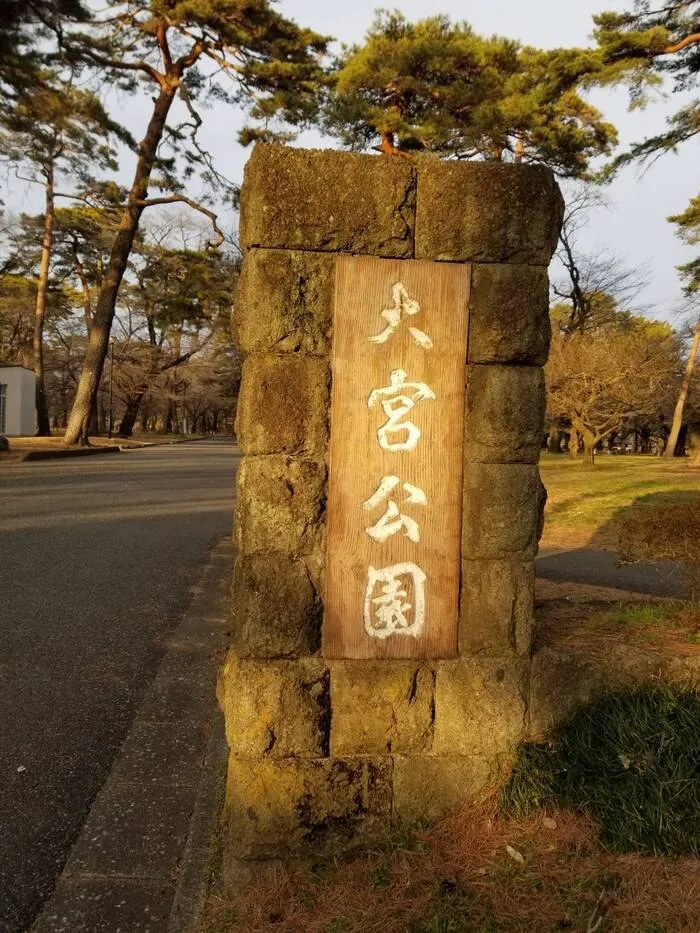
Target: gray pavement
<point>96,558</point>
<point>599,567</point>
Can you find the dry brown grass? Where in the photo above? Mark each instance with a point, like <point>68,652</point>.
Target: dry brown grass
<point>460,877</point>
<point>658,530</point>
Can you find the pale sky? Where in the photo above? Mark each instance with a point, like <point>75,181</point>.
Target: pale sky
<point>633,227</point>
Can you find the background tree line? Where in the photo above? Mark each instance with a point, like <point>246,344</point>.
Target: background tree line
<point>93,293</point>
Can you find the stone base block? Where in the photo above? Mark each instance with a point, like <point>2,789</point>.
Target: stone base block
<point>275,709</point>
<point>283,406</point>
<point>300,807</point>
<point>504,417</point>
<point>496,607</point>
<point>428,789</point>
<point>284,302</point>
<point>280,505</point>
<point>503,511</point>
<point>381,707</point>
<point>480,706</point>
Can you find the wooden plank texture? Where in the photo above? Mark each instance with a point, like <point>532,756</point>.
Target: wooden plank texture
<point>395,485</point>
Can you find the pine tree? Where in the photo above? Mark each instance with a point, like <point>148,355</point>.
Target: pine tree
<point>30,33</point>
<point>688,229</point>
<point>439,86</point>
<point>160,47</point>
<point>54,131</point>
<point>642,47</point>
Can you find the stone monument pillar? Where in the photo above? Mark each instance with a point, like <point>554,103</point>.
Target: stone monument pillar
<point>393,316</point>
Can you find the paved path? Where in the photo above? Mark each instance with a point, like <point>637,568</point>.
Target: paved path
<point>96,557</point>
<point>599,568</point>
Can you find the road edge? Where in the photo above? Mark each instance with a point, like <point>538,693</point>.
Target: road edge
<point>97,888</point>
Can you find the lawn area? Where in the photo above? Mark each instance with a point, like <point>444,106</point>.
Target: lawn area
<point>584,504</point>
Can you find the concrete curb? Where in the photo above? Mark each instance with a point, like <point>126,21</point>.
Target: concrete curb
<point>143,860</point>
<point>60,453</point>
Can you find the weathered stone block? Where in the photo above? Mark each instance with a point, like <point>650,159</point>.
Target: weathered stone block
<point>496,607</point>
<point>503,510</point>
<point>283,406</point>
<point>479,706</point>
<point>504,414</point>
<point>487,212</point>
<point>509,314</point>
<point>428,789</point>
<point>275,709</point>
<point>299,806</point>
<point>280,504</point>
<point>380,707</point>
<point>328,201</point>
<point>284,302</point>
<point>276,612</point>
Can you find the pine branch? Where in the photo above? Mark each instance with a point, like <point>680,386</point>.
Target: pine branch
<point>182,199</point>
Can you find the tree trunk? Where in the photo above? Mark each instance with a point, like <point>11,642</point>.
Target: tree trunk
<point>573,444</point>
<point>98,340</point>
<point>589,442</point>
<point>682,396</point>
<point>42,411</point>
<point>133,403</point>
<point>167,429</point>
<point>694,443</point>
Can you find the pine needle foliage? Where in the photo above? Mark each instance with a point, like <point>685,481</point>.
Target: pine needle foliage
<point>439,86</point>
<point>688,230</point>
<point>646,44</point>
<point>631,760</point>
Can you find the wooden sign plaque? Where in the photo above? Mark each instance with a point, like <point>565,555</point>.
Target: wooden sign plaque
<point>395,483</point>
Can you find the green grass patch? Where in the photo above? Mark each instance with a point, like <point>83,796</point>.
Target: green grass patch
<point>589,502</point>
<point>632,761</point>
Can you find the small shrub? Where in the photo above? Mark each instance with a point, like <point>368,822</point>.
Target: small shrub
<point>631,760</point>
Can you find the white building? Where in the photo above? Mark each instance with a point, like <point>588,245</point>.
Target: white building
<point>17,400</point>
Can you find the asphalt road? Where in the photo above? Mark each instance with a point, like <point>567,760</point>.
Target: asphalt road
<point>600,568</point>
<point>96,556</point>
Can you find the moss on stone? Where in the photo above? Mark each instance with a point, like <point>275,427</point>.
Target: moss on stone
<point>479,706</point>
<point>381,707</point>
<point>276,612</point>
<point>301,806</point>
<point>509,314</point>
<point>276,709</point>
<point>329,201</point>
<point>504,417</point>
<point>496,607</point>
<point>284,302</point>
<point>487,212</point>
<point>283,406</point>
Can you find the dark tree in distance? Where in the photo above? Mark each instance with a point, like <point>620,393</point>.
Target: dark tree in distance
<point>174,289</point>
<point>597,288</point>
<point>160,46</point>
